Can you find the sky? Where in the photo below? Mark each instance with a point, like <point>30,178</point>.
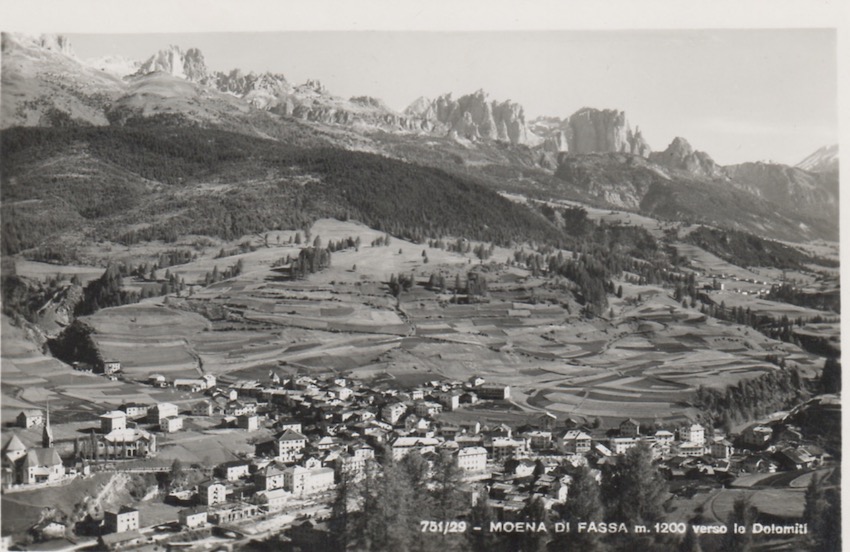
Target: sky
<point>740,95</point>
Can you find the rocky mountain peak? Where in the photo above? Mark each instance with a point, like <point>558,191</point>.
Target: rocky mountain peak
<point>474,117</point>
<point>824,159</point>
<point>52,42</point>
<point>315,86</point>
<point>603,131</point>
<point>174,61</point>
<point>681,156</point>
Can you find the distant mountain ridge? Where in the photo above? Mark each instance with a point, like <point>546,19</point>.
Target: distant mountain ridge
<point>825,159</point>
<point>595,155</point>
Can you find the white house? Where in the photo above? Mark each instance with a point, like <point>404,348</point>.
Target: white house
<point>620,445</point>
<point>212,493</point>
<point>694,433</point>
<point>472,459</point>
<point>162,410</point>
<point>192,518</point>
<point>576,442</point>
<point>171,424</point>
<point>290,445</point>
<point>393,412</point>
<point>113,421</point>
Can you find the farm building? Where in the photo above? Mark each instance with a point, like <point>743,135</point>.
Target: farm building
<point>125,519</point>
<point>134,410</point>
<point>248,422</point>
<point>234,470</point>
<point>30,418</point>
<point>161,410</point>
<point>494,392</point>
<point>630,428</point>
<point>192,518</point>
<point>202,408</point>
<point>110,367</point>
<point>171,424</point>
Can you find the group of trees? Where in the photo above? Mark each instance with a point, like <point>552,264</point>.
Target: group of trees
<point>383,510</point>
<point>107,291</point>
<point>822,513</point>
<point>793,295</point>
<point>402,282</point>
<point>24,297</point>
<point>381,241</point>
<point>462,246</point>
<point>244,247</point>
<point>217,276</point>
<point>342,244</point>
<point>750,398</point>
<point>781,328</point>
<point>310,260</point>
<point>745,249</point>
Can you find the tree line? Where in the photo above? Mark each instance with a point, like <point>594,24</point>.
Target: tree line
<point>383,510</point>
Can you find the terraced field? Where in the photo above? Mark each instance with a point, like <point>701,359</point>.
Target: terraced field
<point>644,361</point>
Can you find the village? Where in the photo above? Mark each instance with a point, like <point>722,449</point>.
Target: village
<point>308,431</point>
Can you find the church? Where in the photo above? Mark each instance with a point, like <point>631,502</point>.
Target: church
<point>29,466</point>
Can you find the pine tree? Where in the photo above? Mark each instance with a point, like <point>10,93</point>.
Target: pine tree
<point>583,504</point>
<point>830,379</point>
<point>341,523</point>
<point>634,490</point>
<point>388,522</point>
<point>742,514</point>
<point>534,512</point>
<point>480,516</point>
<point>449,499</point>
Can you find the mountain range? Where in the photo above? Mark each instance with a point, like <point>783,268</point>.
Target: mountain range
<point>594,155</point>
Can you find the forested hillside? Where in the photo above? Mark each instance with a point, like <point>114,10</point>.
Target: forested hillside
<point>130,184</point>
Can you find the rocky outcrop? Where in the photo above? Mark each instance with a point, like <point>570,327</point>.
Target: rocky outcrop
<point>680,156</point>
<point>474,117</point>
<point>51,42</point>
<point>174,61</point>
<point>604,131</point>
<point>263,91</point>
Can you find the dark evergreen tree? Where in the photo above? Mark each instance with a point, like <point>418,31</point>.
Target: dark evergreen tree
<point>830,379</point>
<point>341,523</point>
<point>583,504</point>
<point>634,490</point>
<point>743,514</point>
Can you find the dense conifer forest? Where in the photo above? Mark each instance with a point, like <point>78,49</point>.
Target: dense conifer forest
<point>136,184</point>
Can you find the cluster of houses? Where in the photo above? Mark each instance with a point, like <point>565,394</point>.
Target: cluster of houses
<point>322,428</point>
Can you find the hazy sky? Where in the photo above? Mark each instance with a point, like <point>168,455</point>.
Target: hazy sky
<point>740,95</point>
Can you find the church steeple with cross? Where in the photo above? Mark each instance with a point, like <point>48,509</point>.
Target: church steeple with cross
<point>47,433</point>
